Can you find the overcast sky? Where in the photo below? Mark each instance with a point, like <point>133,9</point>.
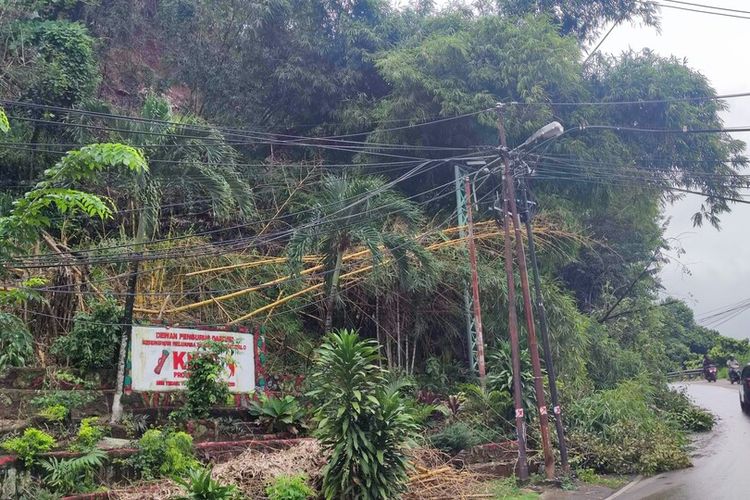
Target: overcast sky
<point>718,261</point>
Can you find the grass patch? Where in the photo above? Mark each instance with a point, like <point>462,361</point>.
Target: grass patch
<point>507,489</point>
<point>588,476</point>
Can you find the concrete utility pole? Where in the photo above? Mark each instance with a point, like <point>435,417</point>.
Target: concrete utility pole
<point>544,332</point>
<point>475,284</point>
<point>515,350</point>
<point>510,200</point>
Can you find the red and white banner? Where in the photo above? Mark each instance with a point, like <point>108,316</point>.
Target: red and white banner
<point>160,355</point>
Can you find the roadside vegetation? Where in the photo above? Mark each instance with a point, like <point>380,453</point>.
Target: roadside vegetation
<point>288,165</point>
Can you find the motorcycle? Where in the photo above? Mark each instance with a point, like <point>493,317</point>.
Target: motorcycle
<point>710,373</point>
<point>734,375</point>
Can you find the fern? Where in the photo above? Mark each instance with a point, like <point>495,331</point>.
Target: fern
<point>73,475</point>
<point>81,164</point>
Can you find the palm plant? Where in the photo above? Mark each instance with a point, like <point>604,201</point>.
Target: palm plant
<point>189,161</point>
<point>353,211</point>
<point>500,373</point>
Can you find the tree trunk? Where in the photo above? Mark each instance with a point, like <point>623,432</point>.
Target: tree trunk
<point>398,335</point>
<point>413,358</point>
<point>127,329</point>
<point>331,300</point>
<point>377,331</point>
<point>406,354</point>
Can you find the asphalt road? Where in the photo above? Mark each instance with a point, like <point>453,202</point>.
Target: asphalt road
<point>721,458</point>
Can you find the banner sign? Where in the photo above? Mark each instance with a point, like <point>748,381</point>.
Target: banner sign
<point>159,357</point>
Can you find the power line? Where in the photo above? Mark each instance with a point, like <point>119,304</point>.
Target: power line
<point>251,139</point>
<point>203,233</point>
<point>713,13</point>
<point>708,6</point>
<point>33,261</point>
<point>632,102</point>
<point>615,182</point>
<point>292,278</point>
<point>34,147</point>
<point>231,131</point>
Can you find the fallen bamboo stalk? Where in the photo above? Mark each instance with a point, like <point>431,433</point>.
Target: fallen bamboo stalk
<point>246,265</point>
<point>360,253</point>
<point>294,295</point>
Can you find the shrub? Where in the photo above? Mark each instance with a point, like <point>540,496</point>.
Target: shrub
<point>73,475</point>
<point>200,486</point>
<point>363,426</point>
<point>456,437</point>
<point>16,343</point>
<point>289,488</point>
<point>65,377</point>
<point>205,386</point>
<point>492,406</point>
<point>164,453</point>
<point>621,430</point>
<point>135,424</point>
<point>680,410</point>
<point>278,414</point>
<point>89,433</point>
<point>54,413</point>
<point>29,445</point>
<point>69,399</point>
<point>94,339</point>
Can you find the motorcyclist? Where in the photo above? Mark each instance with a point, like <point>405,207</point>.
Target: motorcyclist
<point>734,369</point>
<point>733,364</point>
<point>706,363</point>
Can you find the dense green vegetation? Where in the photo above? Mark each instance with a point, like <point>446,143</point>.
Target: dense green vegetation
<point>250,160</point>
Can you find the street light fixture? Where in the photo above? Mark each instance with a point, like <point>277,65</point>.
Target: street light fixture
<point>549,131</point>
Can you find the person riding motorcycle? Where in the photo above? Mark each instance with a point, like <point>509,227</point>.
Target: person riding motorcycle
<point>706,363</point>
<point>733,364</point>
<point>734,369</point>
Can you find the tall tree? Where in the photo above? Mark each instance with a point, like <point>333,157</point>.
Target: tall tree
<point>583,19</point>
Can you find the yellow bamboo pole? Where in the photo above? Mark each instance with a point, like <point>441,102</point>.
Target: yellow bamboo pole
<point>295,295</point>
<point>245,291</point>
<point>245,265</point>
<point>268,316</point>
<point>214,300</point>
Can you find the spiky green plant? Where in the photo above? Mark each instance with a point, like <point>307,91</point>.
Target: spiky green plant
<point>364,426</point>
<point>278,414</point>
<point>200,486</point>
